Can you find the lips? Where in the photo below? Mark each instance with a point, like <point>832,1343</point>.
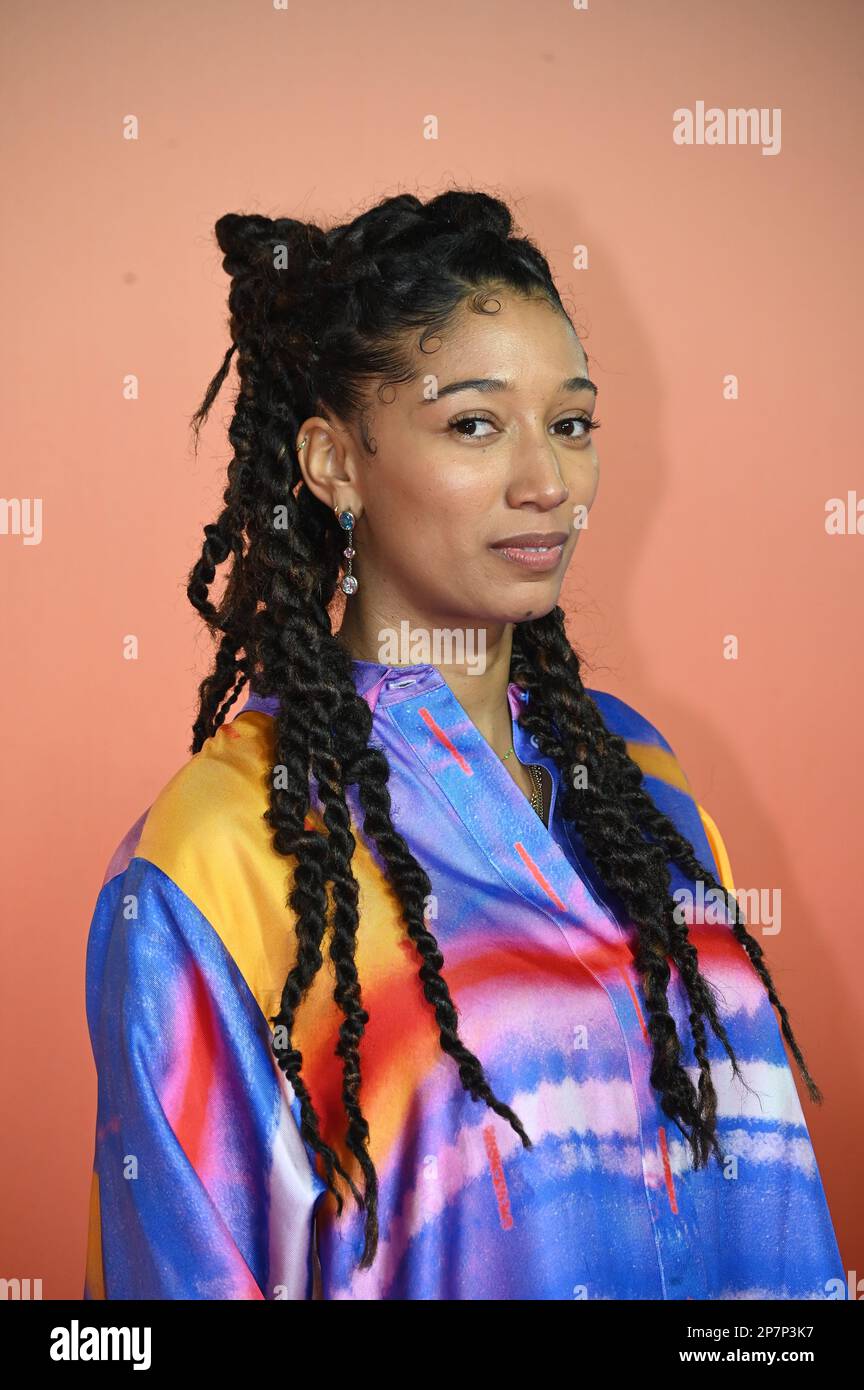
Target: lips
<point>529,540</point>
<point>538,552</point>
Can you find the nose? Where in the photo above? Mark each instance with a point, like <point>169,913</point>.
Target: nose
<point>536,477</point>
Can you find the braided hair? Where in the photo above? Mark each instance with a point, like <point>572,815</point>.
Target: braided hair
<point>316,318</point>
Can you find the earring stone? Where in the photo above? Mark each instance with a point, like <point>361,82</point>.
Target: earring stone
<point>346,521</point>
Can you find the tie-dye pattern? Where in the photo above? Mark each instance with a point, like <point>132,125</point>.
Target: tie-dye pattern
<point>202,1184</point>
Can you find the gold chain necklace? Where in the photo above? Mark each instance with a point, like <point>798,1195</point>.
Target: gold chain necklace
<point>537,779</point>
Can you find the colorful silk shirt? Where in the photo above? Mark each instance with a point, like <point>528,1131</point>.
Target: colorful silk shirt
<point>203,1186</point>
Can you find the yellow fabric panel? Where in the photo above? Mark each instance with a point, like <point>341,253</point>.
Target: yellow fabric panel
<point>656,762</point>
<point>715,840</point>
<point>206,832</point>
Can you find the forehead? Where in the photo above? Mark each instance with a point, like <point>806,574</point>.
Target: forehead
<point>509,336</point>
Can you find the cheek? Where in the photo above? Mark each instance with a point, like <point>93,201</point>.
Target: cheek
<point>591,480</point>
<point>583,490</point>
<point>457,502</point>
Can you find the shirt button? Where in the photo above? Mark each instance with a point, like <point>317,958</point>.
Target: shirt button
<point>535,742</point>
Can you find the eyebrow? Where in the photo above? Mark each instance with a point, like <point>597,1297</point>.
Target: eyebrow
<point>494,383</point>
<point>499,384</point>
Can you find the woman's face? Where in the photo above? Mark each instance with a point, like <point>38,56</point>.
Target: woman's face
<point>459,471</point>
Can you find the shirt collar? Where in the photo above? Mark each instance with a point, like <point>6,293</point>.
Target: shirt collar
<point>388,684</point>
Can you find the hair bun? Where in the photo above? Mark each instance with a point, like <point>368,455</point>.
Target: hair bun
<point>251,244</point>
<point>471,212</point>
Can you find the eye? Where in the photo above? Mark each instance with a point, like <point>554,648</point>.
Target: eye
<point>585,422</point>
<point>468,420</point>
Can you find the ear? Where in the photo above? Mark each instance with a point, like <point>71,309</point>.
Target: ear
<point>328,464</point>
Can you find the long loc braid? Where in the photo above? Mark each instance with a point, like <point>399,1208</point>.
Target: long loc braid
<point>315,317</point>
<point>614,812</point>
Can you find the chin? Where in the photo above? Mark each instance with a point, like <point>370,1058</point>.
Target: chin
<point>535,601</point>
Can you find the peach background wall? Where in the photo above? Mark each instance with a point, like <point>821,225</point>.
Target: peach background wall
<point>703,261</point>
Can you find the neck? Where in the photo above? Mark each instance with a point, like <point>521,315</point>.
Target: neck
<point>474,660</point>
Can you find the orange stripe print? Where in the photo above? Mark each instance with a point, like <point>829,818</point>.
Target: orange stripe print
<point>667,1171</point>
<point>547,887</point>
<point>664,1148</point>
<point>629,983</point>
<point>442,738</point>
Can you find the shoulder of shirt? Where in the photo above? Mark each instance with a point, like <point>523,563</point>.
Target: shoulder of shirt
<point>645,744</point>
<point>216,795</point>
<point>206,832</point>
<point>218,792</point>
<point>653,753</point>
<point>621,718</point>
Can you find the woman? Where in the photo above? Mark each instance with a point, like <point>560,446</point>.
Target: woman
<point>404,926</point>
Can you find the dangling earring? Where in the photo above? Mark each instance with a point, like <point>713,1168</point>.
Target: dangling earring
<point>346,521</point>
